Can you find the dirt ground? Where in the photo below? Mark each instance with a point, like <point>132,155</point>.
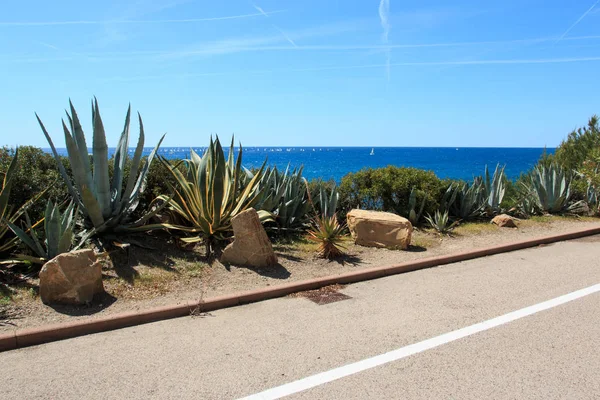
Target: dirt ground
<point>160,273</point>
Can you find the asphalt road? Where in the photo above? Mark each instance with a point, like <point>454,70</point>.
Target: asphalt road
<point>248,350</point>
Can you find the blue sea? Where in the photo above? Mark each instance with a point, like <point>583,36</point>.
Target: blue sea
<point>335,162</point>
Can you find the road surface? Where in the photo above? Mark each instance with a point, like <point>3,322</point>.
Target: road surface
<point>524,324</point>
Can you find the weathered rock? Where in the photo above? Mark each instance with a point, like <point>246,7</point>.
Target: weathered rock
<point>251,245</point>
<point>504,221</point>
<point>379,229</point>
<point>71,278</point>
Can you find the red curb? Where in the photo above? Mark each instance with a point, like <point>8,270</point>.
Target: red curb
<point>8,341</point>
<point>34,336</point>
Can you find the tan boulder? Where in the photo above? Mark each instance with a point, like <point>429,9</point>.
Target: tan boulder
<point>71,278</point>
<point>379,229</point>
<point>504,221</point>
<point>251,245</point>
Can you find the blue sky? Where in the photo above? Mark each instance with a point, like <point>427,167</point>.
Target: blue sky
<point>306,72</point>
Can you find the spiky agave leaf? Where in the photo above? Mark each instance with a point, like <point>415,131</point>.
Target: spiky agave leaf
<point>211,192</point>
<point>104,204</point>
<point>470,200</point>
<point>441,222</point>
<point>550,188</point>
<point>328,202</point>
<point>495,189</point>
<point>58,230</point>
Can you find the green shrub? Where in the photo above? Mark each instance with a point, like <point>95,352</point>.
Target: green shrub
<point>579,145</point>
<point>389,188</point>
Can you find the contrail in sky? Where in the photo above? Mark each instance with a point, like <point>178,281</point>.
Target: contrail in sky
<point>154,21</point>
<point>260,10</point>
<point>578,21</point>
<point>384,16</point>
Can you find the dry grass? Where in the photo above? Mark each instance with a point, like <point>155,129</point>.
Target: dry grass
<point>474,228</point>
<point>425,240</point>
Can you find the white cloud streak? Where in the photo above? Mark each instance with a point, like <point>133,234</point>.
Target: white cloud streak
<point>128,21</point>
<point>260,10</point>
<point>285,35</point>
<point>384,17</point>
<point>366,66</point>
<point>578,21</point>
<point>264,44</point>
<point>48,45</point>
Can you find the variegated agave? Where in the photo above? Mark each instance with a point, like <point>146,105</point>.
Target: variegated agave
<point>106,204</point>
<point>210,193</point>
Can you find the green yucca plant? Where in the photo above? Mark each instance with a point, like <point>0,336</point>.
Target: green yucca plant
<point>106,204</point>
<point>441,222</point>
<point>210,193</point>
<point>58,231</point>
<point>328,233</point>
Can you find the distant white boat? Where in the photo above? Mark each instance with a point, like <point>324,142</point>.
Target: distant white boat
<point>372,152</point>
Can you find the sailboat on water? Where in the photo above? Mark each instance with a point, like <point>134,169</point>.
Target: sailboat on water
<point>372,152</point>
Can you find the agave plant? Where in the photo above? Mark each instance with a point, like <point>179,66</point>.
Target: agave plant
<point>549,188</point>
<point>327,202</point>
<point>285,197</point>
<point>449,198</point>
<point>470,200</point>
<point>58,229</point>
<point>494,189</point>
<point>210,193</point>
<point>328,233</point>
<point>413,215</point>
<point>106,204</point>
<point>441,222</point>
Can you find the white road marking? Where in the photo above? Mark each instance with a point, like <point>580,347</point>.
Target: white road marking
<point>406,351</point>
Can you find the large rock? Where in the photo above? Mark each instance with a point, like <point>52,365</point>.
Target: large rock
<point>379,229</point>
<point>71,278</point>
<point>251,245</point>
<point>504,221</point>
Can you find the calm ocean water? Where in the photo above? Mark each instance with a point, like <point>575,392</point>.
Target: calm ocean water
<point>335,162</point>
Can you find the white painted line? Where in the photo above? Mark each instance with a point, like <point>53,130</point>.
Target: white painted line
<point>394,355</point>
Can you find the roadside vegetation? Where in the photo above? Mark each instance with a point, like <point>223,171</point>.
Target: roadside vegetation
<point>51,204</point>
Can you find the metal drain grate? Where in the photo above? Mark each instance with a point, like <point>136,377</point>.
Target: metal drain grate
<point>326,295</point>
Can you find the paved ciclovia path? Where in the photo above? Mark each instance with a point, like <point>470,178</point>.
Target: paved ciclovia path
<point>518,325</point>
